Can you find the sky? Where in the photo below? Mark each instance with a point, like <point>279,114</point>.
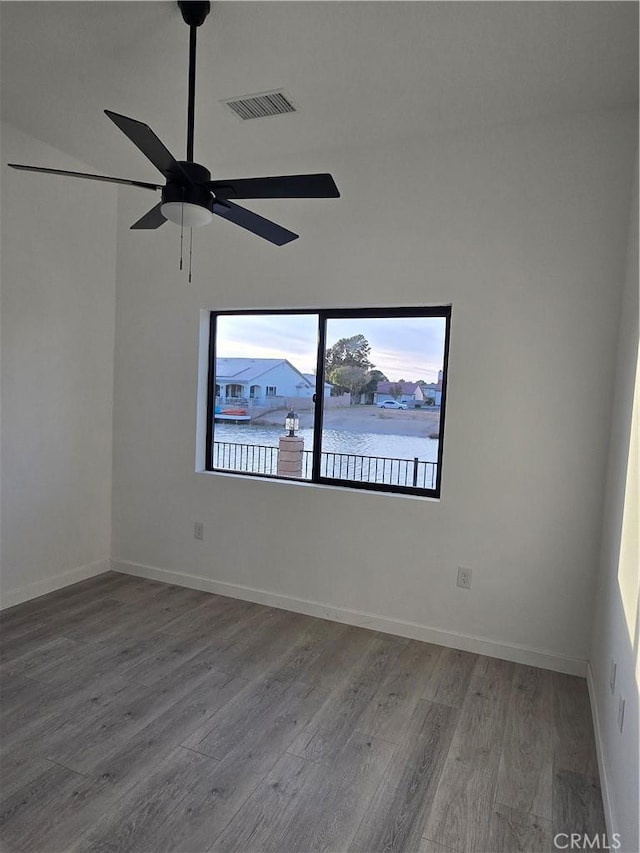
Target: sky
<point>408,348</point>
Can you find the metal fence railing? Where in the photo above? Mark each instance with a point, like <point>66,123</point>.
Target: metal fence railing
<point>261,459</point>
<point>247,458</point>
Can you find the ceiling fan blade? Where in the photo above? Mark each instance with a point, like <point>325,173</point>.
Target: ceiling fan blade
<point>145,139</point>
<point>152,219</point>
<point>89,177</point>
<point>254,223</point>
<point>286,186</point>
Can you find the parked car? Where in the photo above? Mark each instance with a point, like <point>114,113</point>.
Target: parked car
<point>392,404</point>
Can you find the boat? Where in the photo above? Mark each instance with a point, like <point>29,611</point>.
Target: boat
<point>234,414</point>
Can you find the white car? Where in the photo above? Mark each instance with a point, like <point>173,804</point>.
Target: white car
<point>392,404</point>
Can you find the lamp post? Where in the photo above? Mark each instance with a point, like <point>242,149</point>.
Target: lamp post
<point>290,448</point>
<point>292,423</point>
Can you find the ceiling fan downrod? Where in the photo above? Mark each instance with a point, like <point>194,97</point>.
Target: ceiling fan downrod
<point>194,15</point>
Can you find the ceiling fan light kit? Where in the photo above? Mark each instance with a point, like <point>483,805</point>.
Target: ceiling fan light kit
<point>186,214</point>
<point>189,206</point>
<point>189,197</point>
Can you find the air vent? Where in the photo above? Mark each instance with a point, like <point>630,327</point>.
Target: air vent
<point>261,105</point>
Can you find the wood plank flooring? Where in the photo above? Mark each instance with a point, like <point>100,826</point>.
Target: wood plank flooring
<point>140,717</point>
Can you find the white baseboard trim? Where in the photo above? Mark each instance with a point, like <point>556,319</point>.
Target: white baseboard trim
<point>602,767</point>
<point>38,588</point>
<point>412,630</point>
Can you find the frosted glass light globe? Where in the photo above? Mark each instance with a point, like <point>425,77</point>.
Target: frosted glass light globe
<point>185,213</point>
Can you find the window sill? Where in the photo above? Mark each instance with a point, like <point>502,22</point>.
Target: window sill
<point>309,485</point>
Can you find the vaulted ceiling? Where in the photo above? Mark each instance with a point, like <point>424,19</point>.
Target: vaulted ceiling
<point>359,72</point>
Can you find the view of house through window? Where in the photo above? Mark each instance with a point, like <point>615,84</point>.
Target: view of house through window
<point>263,367</point>
<point>362,394</point>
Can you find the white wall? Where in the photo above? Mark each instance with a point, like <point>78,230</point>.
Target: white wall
<point>523,229</point>
<point>58,315</point>
<point>615,635</point>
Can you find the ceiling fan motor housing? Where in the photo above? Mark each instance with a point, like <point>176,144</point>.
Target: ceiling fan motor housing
<point>178,192</point>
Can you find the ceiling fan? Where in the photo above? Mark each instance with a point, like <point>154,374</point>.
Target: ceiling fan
<point>189,197</point>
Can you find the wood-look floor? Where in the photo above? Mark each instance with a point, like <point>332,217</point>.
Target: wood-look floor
<point>138,716</point>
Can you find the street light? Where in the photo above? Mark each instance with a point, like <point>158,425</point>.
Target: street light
<point>292,423</point>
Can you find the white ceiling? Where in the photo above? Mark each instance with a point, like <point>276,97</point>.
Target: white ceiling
<point>361,72</point>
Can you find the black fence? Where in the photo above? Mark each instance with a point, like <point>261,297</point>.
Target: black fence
<point>247,458</point>
<point>261,459</point>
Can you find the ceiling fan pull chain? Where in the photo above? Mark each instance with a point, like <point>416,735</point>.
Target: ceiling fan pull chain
<point>181,229</point>
<point>190,251</point>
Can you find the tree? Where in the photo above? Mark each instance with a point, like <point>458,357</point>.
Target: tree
<point>396,390</point>
<point>375,376</point>
<point>351,352</point>
<point>348,368</point>
<point>351,378</point>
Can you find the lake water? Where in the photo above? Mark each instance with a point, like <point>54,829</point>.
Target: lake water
<point>373,457</point>
<point>335,441</point>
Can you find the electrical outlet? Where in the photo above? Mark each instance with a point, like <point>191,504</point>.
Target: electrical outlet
<point>464,578</point>
<point>198,530</point>
<point>621,705</point>
<point>612,675</point>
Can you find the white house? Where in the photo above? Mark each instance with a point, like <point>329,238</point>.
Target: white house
<point>432,391</point>
<point>312,379</point>
<point>260,379</point>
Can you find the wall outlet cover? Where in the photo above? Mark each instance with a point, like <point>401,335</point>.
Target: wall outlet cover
<point>198,530</point>
<point>464,578</point>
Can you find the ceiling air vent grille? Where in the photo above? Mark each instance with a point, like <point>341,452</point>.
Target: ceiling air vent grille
<point>261,105</point>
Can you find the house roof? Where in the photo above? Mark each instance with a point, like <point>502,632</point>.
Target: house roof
<point>248,369</point>
<point>244,369</point>
<point>312,379</point>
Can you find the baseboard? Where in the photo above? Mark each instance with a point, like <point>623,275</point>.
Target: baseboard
<point>38,588</point>
<point>602,767</point>
<point>412,630</point>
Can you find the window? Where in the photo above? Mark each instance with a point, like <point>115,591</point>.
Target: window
<point>367,388</point>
